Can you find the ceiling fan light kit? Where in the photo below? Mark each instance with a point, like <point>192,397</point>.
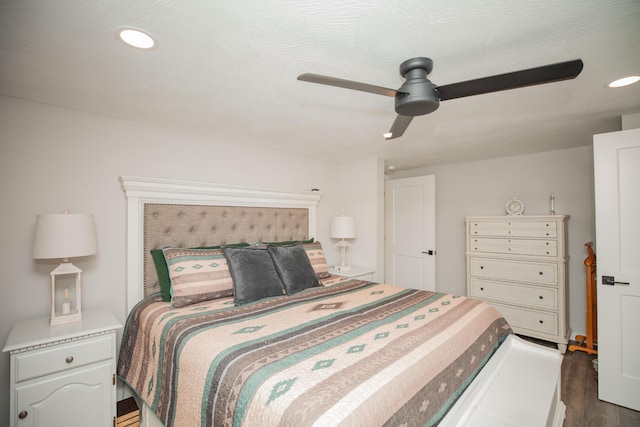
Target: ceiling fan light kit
<point>418,96</point>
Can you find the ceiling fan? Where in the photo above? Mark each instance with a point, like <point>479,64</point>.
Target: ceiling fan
<point>418,96</point>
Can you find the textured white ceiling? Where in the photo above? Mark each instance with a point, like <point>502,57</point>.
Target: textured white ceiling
<point>229,68</point>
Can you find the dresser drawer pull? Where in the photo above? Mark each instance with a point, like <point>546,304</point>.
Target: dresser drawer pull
<point>22,415</point>
<point>541,273</point>
<point>541,322</point>
<point>541,297</point>
<point>69,359</point>
<point>482,289</point>
<point>482,267</point>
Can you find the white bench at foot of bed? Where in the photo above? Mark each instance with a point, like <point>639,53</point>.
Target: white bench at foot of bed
<point>519,386</point>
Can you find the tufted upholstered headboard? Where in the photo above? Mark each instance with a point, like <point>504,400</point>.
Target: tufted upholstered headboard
<point>191,226</point>
<point>178,213</point>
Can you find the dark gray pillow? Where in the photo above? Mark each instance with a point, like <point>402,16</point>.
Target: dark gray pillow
<point>293,267</point>
<point>253,273</point>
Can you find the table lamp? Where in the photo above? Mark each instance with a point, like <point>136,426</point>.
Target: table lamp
<point>65,236</point>
<point>343,227</point>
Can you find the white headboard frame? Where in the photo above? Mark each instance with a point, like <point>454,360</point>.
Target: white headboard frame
<point>140,191</point>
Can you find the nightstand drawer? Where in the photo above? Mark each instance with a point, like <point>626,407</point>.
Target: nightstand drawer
<point>532,272</point>
<point>63,357</point>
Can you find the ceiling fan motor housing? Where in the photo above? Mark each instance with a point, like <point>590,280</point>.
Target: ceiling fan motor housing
<point>417,95</point>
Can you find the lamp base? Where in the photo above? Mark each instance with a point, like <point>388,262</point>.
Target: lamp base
<point>63,319</point>
<point>343,256</point>
<point>64,312</point>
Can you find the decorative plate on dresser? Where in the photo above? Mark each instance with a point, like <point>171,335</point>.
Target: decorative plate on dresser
<point>517,264</point>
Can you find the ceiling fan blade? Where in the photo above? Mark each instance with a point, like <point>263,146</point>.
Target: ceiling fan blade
<point>533,76</point>
<point>347,84</point>
<point>400,124</point>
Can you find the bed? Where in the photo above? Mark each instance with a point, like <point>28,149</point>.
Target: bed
<point>333,351</point>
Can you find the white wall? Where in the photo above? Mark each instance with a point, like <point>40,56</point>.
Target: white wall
<point>483,188</point>
<point>362,196</point>
<point>52,159</point>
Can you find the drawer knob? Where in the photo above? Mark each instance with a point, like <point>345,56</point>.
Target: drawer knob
<point>69,359</point>
<point>22,415</point>
<point>482,267</point>
<point>541,321</point>
<point>541,297</point>
<point>482,289</point>
<point>541,273</point>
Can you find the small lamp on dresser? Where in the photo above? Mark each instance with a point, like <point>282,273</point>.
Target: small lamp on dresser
<point>343,227</point>
<point>65,236</point>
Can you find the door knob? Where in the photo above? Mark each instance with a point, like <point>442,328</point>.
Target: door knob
<point>429,252</point>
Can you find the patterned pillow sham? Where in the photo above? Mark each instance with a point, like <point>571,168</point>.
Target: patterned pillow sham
<point>317,259</point>
<point>197,275</point>
<point>163,272</point>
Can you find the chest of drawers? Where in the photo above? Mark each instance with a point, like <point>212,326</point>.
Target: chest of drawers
<point>518,265</point>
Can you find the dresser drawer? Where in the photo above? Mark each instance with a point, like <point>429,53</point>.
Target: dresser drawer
<point>521,271</point>
<point>64,356</point>
<point>514,246</point>
<point>513,293</point>
<point>522,318</point>
<point>545,229</point>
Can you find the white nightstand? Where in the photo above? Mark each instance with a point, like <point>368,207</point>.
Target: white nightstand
<point>63,375</point>
<point>356,272</point>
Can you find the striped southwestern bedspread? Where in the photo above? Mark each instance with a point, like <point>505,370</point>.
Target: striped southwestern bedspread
<point>352,353</point>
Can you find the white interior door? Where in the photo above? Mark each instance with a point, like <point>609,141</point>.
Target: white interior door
<point>617,196</point>
<point>410,232</point>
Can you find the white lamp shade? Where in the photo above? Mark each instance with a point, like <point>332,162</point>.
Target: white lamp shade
<point>343,227</point>
<point>64,236</point>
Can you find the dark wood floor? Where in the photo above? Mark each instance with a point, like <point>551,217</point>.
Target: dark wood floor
<point>580,394</point>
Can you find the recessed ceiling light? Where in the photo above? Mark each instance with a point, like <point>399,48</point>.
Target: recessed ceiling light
<point>625,81</point>
<point>136,38</point>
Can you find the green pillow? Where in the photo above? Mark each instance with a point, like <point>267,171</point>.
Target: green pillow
<point>289,243</point>
<point>163,270</point>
